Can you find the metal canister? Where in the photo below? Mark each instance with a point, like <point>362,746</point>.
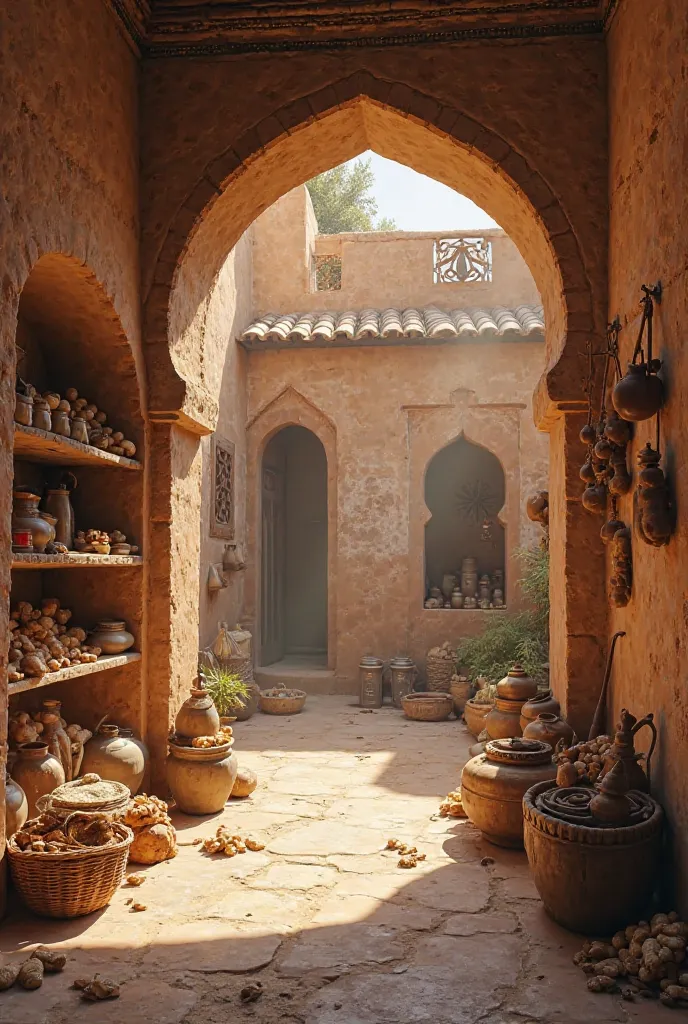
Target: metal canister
<point>403,673</point>
<point>370,680</point>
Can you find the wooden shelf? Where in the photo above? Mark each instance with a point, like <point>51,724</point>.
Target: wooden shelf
<point>105,662</point>
<point>36,445</point>
<point>72,560</point>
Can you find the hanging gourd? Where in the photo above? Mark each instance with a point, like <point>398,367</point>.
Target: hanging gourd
<point>639,394</point>
<point>654,513</point>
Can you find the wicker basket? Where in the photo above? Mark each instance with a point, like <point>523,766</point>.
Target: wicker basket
<point>439,668</point>
<point>427,707</point>
<point>70,884</point>
<point>282,705</point>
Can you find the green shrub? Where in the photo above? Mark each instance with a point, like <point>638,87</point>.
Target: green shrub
<point>227,689</point>
<point>522,637</point>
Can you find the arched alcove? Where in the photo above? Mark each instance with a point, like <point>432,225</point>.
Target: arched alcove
<point>464,492</point>
<point>293,552</point>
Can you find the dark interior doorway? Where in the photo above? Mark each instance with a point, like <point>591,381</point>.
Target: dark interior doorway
<point>294,548</point>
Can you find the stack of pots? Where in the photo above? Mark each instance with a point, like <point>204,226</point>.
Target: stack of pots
<point>200,778</point>
<point>513,691</point>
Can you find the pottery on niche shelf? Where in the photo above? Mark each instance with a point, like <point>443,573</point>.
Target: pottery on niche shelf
<point>25,516</point>
<point>112,636</point>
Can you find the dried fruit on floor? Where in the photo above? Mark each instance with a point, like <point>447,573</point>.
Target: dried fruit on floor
<point>602,984</point>
<point>254,845</point>
<point>52,959</point>
<point>138,907</point>
<point>8,975</point>
<point>135,879</point>
<point>31,974</point>
<point>408,861</point>
<point>97,988</point>
<point>452,806</point>
<point>224,842</point>
<point>252,992</point>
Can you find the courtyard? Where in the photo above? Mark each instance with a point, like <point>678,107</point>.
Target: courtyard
<point>323,917</point>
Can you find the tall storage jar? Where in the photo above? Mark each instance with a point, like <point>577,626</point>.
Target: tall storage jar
<point>37,772</point>
<point>201,778</point>
<point>117,756</point>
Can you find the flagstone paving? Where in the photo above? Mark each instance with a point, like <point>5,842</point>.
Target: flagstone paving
<point>335,931</point>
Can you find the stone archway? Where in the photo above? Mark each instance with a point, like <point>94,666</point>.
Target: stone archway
<point>295,142</point>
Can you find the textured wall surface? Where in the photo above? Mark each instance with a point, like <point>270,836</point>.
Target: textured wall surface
<point>649,242</point>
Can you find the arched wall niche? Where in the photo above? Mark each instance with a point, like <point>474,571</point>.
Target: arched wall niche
<point>289,148</point>
<point>289,408</point>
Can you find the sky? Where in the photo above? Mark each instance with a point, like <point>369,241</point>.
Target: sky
<point>418,203</point>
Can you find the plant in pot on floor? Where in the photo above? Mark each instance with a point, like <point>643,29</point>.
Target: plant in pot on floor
<point>228,690</point>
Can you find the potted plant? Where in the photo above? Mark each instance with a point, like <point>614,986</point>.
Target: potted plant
<point>229,692</point>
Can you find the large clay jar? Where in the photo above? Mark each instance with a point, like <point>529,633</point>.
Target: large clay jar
<point>201,778</point>
<point>493,785</point>
<point>504,720</point>
<point>116,756</point>
<point>549,729</point>
<point>37,772</point>
<point>25,516</point>
<point>517,685</point>
<point>474,716</point>
<point>16,806</point>
<point>198,715</point>
<point>111,636</point>
<point>542,704</point>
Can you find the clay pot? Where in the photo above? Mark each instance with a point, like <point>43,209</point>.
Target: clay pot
<point>37,772</point>
<point>460,690</point>
<point>251,703</point>
<point>591,880</point>
<point>116,756</point>
<point>61,423</point>
<point>245,783</point>
<point>23,410</point>
<point>201,779</point>
<point>469,577</point>
<point>456,599</point>
<point>493,785</point>
<point>16,806</point>
<point>549,729</point>
<point>25,516</point>
<point>639,394</point>
<point>542,704</point>
<point>78,430</point>
<point>58,504</point>
<point>474,716</point>
<point>111,636</point>
<point>594,498</point>
<point>504,720</point>
<point>41,414</point>
<point>517,685</point>
<point>197,716</point>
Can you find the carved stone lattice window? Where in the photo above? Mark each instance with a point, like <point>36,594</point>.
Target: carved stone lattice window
<point>222,494</point>
<point>328,273</point>
<point>462,260</point>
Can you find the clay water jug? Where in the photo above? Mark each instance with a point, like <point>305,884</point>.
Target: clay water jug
<point>549,729</point>
<point>639,393</point>
<point>517,685</point>
<point>115,754</point>
<point>37,772</point>
<point>198,715</point>
<point>503,721</point>
<point>112,636</point>
<point>16,806</point>
<point>542,704</point>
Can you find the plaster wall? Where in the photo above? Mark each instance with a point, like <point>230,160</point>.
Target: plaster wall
<point>649,242</point>
<point>379,268</point>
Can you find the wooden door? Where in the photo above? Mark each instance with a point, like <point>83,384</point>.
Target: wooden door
<point>272,566</point>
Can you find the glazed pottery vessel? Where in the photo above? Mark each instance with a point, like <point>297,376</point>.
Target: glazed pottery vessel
<point>493,784</point>
<point>25,516</point>
<point>198,715</point>
<point>517,685</point>
<point>504,720</point>
<point>542,704</point>
<point>201,779</point>
<point>549,729</point>
<point>111,636</point>
<point>37,772</point>
<point>16,806</point>
<point>116,755</point>
<point>58,504</point>
<point>474,716</point>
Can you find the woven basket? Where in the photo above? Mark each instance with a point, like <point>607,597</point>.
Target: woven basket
<point>282,705</point>
<point>70,884</point>
<point>439,671</point>
<point>427,707</point>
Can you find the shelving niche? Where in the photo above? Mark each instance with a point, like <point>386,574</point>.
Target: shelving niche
<point>69,335</point>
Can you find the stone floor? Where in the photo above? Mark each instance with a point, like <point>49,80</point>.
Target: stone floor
<point>323,917</point>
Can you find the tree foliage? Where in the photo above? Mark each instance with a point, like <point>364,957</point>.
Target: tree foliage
<point>343,201</point>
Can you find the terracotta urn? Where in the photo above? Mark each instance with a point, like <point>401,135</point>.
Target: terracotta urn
<point>112,636</point>
<point>116,756</point>
<point>639,394</point>
<point>517,685</point>
<point>16,806</point>
<point>474,716</point>
<point>549,729</point>
<point>37,771</point>
<point>25,516</point>
<point>201,778</point>
<point>198,715</point>
<point>543,704</point>
<point>504,720</point>
<point>493,785</point>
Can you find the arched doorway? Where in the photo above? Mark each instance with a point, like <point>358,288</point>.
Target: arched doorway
<point>293,530</point>
<point>464,492</point>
